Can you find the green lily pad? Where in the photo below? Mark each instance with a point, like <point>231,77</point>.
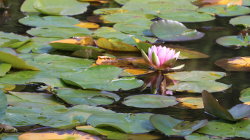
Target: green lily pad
<point>108,11</point>
<point>186,16</point>
<point>225,11</point>
<point>100,77</point>
<point>197,81</point>
<point>227,129</point>
<point>4,68</point>
<point>88,97</point>
<point>115,135</point>
<point>57,21</point>
<point>241,20</point>
<point>126,122</point>
<point>197,136</point>
<point>150,101</point>
<point>240,111</point>
<point>169,30</point>
<point>124,17</point>
<point>88,52</point>
<point>59,32</point>
<point>245,96</point>
<point>229,41</point>
<point>3,103</point>
<point>171,126</point>
<point>9,136</point>
<point>246,2</point>
<point>8,55</point>
<point>8,39</point>
<point>55,7</point>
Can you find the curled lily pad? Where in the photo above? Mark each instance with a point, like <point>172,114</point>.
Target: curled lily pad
<point>230,41</point>
<point>234,64</point>
<point>89,97</point>
<point>150,101</point>
<point>171,126</point>
<point>169,30</point>
<point>241,20</point>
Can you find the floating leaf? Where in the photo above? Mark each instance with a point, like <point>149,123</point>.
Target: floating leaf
<point>58,32</point>
<point>230,41</point>
<point>3,103</point>
<point>245,96</point>
<point>191,102</point>
<point>107,11</point>
<point>197,81</point>
<point>150,101</point>
<point>4,68</point>
<point>58,7</point>
<point>126,122</point>
<point>225,11</point>
<point>197,136</point>
<point>171,126</point>
<point>241,20</point>
<point>43,21</point>
<point>240,111</point>
<point>169,30</point>
<point>62,135</point>
<point>88,97</point>
<point>99,77</point>
<point>219,2</point>
<point>116,135</point>
<point>89,25</point>
<point>234,64</point>
<point>227,129</point>
<point>8,55</point>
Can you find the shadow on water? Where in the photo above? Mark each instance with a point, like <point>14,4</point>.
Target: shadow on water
<point>212,29</point>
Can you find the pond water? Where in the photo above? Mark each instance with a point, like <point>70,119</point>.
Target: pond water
<point>212,29</point>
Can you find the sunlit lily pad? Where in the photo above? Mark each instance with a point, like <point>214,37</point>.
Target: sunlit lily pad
<point>230,41</point>
<point>197,81</point>
<point>62,135</point>
<point>8,55</point>
<point>150,101</point>
<point>59,32</point>
<point>89,25</point>
<point>60,7</point>
<point>245,96</point>
<point>125,122</point>
<point>4,68</point>
<point>169,30</point>
<point>224,10</point>
<point>43,21</point>
<point>88,97</point>
<point>171,126</point>
<point>227,129</point>
<point>241,20</point>
<point>99,77</point>
<point>191,102</point>
<point>107,11</point>
<point>115,135</point>
<point>234,64</point>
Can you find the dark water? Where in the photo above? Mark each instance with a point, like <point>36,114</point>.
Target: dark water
<point>212,29</point>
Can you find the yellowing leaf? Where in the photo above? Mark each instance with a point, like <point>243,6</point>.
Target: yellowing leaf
<point>137,71</point>
<point>89,25</point>
<point>219,2</point>
<point>84,41</point>
<point>67,135</point>
<point>100,1</point>
<point>115,45</point>
<point>235,64</point>
<point>191,102</point>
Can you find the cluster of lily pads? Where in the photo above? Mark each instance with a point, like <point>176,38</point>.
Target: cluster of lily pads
<point>79,74</point>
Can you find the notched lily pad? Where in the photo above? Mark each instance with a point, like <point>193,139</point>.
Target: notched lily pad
<point>150,101</point>
<point>169,30</point>
<point>234,41</point>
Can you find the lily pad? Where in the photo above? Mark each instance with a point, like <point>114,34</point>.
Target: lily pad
<point>57,21</point>
<point>150,101</point>
<point>226,129</point>
<point>197,136</point>
<point>225,11</point>
<point>4,68</point>
<point>8,55</point>
<point>171,126</point>
<point>126,122</point>
<point>234,64</point>
<point>245,96</point>
<point>99,77</point>
<point>169,30</point>
<point>230,41</point>
<point>88,97</point>
<point>3,103</point>
<point>191,102</point>
<point>59,32</point>
<point>60,7</point>
<point>197,81</point>
<point>241,20</point>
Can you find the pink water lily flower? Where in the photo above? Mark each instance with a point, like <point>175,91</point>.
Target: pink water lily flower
<point>161,57</point>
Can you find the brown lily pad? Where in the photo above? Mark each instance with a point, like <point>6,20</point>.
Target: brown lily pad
<point>234,64</point>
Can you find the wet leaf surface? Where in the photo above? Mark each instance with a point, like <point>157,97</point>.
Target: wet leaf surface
<point>234,64</point>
